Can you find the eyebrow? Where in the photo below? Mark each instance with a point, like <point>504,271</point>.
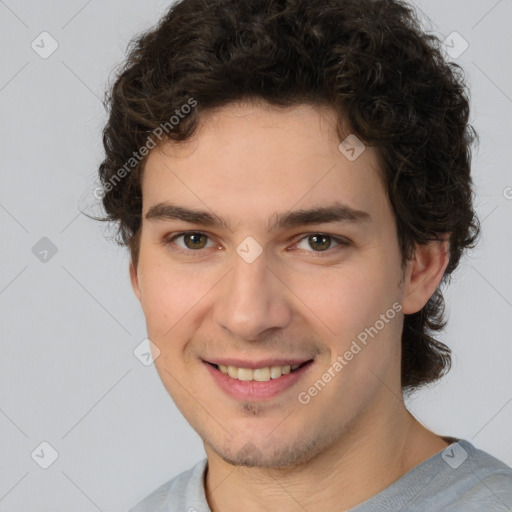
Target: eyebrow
<point>337,212</point>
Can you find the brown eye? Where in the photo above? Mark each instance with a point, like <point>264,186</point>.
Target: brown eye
<point>320,242</point>
<point>190,241</point>
<point>195,240</point>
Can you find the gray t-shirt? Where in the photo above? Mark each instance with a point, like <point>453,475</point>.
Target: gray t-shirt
<point>461,478</point>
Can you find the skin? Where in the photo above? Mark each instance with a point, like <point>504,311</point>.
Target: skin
<point>247,162</point>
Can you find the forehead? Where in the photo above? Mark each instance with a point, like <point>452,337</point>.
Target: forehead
<point>247,160</point>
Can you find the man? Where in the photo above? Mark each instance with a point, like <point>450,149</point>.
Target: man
<point>292,179</point>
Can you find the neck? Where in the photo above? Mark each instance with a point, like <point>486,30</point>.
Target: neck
<point>369,457</point>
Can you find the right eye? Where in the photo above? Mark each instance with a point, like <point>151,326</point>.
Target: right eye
<point>192,241</point>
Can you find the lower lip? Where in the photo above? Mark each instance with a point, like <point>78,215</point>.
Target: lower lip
<point>254,390</point>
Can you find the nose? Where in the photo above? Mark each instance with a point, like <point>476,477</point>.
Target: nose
<point>252,300</point>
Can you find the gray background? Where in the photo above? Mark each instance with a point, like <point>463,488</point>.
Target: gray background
<point>69,324</point>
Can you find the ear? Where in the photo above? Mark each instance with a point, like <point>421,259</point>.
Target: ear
<point>135,281</point>
<point>424,273</point>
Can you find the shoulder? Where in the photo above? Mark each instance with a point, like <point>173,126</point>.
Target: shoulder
<point>461,478</point>
<point>477,480</point>
<point>183,492</point>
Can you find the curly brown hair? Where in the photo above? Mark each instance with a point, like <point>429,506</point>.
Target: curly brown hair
<point>368,59</point>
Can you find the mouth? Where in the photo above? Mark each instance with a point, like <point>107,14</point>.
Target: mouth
<point>262,381</point>
<point>262,374</point>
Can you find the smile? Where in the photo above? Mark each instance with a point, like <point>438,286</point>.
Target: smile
<point>258,374</point>
<point>265,380</point>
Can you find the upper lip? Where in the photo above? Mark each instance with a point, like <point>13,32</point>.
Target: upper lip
<point>262,363</point>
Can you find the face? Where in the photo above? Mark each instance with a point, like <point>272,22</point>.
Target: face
<point>232,273</point>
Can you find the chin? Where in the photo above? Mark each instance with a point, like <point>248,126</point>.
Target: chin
<point>274,455</point>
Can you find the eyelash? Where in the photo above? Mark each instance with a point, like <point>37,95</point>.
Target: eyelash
<point>168,240</point>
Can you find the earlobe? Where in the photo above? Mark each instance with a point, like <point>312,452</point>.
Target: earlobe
<point>424,273</point>
<point>135,281</point>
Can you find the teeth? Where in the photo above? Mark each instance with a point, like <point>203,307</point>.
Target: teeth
<point>275,372</point>
<point>245,374</point>
<point>258,374</point>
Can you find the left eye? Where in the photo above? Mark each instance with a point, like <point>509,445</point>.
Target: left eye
<point>320,242</point>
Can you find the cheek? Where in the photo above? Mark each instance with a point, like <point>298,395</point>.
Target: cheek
<point>175,301</point>
<point>344,300</point>
<point>167,297</point>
